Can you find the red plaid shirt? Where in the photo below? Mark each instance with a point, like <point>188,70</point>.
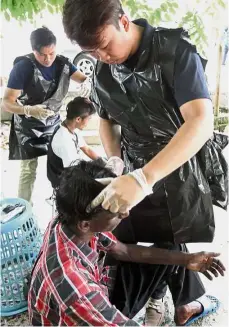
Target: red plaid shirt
<point>68,288</point>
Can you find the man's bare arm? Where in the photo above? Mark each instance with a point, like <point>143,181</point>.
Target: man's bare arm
<point>150,255</point>
<point>9,101</point>
<point>110,134</point>
<point>78,77</point>
<point>90,152</point>
<point>204,262</point>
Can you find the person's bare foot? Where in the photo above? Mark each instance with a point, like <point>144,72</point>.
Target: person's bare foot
<point>185,312</point>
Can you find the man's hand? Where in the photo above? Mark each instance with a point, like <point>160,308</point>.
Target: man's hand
<point>206,262</point>
<point>84,90</point>
<point>120,195</point>
<point>116,165</point>
<point>38,111</point>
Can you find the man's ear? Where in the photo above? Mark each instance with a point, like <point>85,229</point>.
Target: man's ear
<point>84,226</point>
<point>78,119</point>
<point>125,22</point>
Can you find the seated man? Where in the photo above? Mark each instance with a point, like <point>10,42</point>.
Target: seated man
<point>67,141</point>
<point>69,284</point>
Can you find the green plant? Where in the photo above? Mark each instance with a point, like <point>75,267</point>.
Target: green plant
<point>192,15</point>
<point>154,15</point>
<point>23,10</point>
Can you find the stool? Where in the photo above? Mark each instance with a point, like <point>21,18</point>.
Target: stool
<point>20,244</point>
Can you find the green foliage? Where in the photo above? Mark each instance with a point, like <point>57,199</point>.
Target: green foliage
<point>24,10</point>
<point>194,18</point>
<point>164,13</point>
<point>192,22</point>
<point>220,123</point>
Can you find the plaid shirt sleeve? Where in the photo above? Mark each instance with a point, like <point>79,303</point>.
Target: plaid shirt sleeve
<point>106,241</point>
<point>95,309</point>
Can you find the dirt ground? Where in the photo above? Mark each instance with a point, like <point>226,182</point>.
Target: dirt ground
<point>218,319</point>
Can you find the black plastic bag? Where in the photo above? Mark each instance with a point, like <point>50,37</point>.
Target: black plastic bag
<point>215,168</point>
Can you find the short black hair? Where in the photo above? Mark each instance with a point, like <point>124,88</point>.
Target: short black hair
<point>84,19</point>
<point>42,37</point>
<point>78,188</point>
<point>79,107</point>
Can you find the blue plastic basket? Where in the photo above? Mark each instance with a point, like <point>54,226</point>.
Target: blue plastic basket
<point>20,244</point>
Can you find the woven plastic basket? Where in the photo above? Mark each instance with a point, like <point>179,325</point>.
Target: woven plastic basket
<point>20,244</point>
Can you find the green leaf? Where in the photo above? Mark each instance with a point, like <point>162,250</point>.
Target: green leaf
<point>30,15</point>
<point>172,10</point>
<point>50,9</point>
<point>3,5</point>
<point>158,14</point>
<point>152,19</point>
<point>164,7</point>
<point>167,17</point>
<point>7,16</point>
<point>175,5</point>
<point>222,4</point>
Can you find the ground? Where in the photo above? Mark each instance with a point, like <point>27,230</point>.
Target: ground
<point>43,212</point>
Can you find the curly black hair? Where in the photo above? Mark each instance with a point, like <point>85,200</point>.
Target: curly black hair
<point>78,188</point>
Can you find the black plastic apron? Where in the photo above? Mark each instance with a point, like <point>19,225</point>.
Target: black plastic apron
<point>142,102</point>
<point>29,136</point>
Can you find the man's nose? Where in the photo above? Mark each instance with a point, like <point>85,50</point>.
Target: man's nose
<point>102,55</point>
<point>47,58</point>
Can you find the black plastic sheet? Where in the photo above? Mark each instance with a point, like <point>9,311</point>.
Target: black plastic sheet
<point>215,168</point>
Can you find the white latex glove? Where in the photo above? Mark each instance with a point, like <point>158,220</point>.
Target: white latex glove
<point>107,181</point>
<point>116,165</point>
<point>84,90</point>
<point>38,111</point>
<point>123,193</point>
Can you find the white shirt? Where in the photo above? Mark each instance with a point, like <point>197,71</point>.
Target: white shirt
<point>66,146</point>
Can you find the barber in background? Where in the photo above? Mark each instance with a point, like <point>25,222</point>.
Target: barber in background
<point>36,88</point>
